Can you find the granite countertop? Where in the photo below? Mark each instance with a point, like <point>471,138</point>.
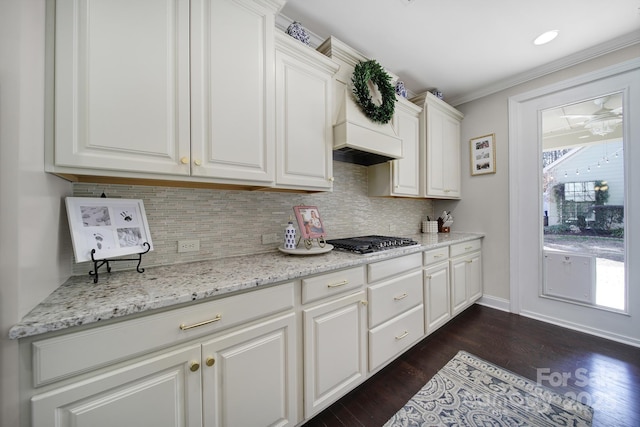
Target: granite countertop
<point>79,301</point>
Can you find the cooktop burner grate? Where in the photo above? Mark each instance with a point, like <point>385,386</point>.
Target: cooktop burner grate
<point>370,244</point>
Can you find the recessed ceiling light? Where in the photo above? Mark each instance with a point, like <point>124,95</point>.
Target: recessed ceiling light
<point>545,37</point>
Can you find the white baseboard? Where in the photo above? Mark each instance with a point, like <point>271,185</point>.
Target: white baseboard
<point>495,302</point>
<point>581,328</point>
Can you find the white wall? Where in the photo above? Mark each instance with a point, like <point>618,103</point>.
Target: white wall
<point>33,251</point>
<point>485,198</point>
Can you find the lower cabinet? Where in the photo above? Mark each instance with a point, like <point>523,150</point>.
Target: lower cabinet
<point>203,384</point>
<point>335,350</point>
<point>160,391</point>
<point>249,376</point>
<point>466,275</point>
<point>436,295</point>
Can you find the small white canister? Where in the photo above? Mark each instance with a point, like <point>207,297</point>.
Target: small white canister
<point>290,236</point>
<point>429,226</point>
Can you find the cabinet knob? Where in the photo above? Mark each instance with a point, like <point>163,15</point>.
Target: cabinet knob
<point>194,366</point>
<point>184,160</point>
<point>197,162</point>
<point>331,179</point>
<point>210,361</point>
<point>364,302</point>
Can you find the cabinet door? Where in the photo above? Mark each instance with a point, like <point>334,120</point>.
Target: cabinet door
<point>474,277</point>
<point>162,391</point>
<point>249,376</point>
<point>443,154</point>
<point>232,90</point>
<point>122,85</point>
<point>304,135</point>
<point>406,171</point>
<point>335,351</point>
<point>436,291</point>
<point>458,285</point>
<point>466,281</point>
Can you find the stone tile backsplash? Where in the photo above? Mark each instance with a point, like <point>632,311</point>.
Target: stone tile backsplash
<point>230,223</point>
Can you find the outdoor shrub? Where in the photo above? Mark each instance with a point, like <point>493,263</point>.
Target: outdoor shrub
<point>618,232</point>
<point>557,229</point>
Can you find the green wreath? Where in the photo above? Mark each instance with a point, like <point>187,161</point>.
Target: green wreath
<point>371,70</point>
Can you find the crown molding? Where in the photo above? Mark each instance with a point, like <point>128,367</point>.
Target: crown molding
<point>621,42</point>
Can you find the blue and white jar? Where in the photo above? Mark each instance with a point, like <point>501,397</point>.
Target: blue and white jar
<point>297,31</point>
<point>290,236</point>
<point>400,89</point>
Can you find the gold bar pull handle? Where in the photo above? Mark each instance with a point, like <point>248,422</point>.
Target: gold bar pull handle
<point>336,285</point>
<point>404,334</point>
<point>401,297</point>
<point>184,327</point>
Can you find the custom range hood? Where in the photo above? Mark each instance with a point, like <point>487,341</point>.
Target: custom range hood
<point>356,139</point>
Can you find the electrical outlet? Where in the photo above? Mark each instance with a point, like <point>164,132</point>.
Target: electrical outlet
<point>268,239</point>
<point>188,245</point>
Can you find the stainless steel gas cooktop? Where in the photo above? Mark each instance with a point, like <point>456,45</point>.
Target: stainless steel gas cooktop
<point>370,244</point>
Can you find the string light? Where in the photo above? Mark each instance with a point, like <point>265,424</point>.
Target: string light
<point>604,159</point>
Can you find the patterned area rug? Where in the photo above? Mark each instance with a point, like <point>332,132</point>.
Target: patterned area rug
<point>469,391</point>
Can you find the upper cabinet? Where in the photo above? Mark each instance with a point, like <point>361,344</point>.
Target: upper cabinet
<point>400,177</point>
<point>232,90</point>
<point>122,86</point>
<point>304,101</point>
<point>440,141</point>
<point>177,90</point>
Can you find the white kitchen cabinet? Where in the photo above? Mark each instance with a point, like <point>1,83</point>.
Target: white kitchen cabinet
<point>122,86</point>
<point>249,376</point>
<point>335,350</point>
<point>174,90</point>
<point>163,390</point>
<point>466,275</point>
<point>436,296</point>
<point>440,142</point>
<point>304,101</point>
<point>400,178</point>
<point>192,366</point>
<point>232,90</point>
<point>396,310</point>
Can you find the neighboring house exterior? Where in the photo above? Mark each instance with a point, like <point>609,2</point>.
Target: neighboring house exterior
<point>581,170</point>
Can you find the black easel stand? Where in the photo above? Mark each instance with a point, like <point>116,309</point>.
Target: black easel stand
<point>97,263</point>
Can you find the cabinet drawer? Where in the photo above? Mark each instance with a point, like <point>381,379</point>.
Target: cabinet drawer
<point>392,267</point>
<point>71,354</point>
<point>388,299</point>
<point>465,247</point>
<point>325,285</point>
<point>436,255</point>
<point>393,337</point>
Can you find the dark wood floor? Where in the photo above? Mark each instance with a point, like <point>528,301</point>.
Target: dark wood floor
<point>604,374</point>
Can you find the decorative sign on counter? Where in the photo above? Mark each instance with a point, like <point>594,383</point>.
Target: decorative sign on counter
<point>104,228</point>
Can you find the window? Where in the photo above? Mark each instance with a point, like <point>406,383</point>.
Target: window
<point>580,191</point>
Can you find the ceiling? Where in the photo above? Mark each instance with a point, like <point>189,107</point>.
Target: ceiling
<point>564,127</point>
<point>467,48</point>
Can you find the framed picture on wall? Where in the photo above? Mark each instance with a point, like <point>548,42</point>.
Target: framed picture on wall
<point>483,154</point>
<point>309,222</point>
<point>109,227</point>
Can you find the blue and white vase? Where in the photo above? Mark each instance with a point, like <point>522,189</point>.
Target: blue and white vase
<point>400,89</point>
<point>290,236</point>
<point>297,31</point>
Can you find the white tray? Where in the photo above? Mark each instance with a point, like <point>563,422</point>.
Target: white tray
<point>315,250</point>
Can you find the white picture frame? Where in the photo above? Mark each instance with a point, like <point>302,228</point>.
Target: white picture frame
<point>110,227</point>
<point>483,154</point>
